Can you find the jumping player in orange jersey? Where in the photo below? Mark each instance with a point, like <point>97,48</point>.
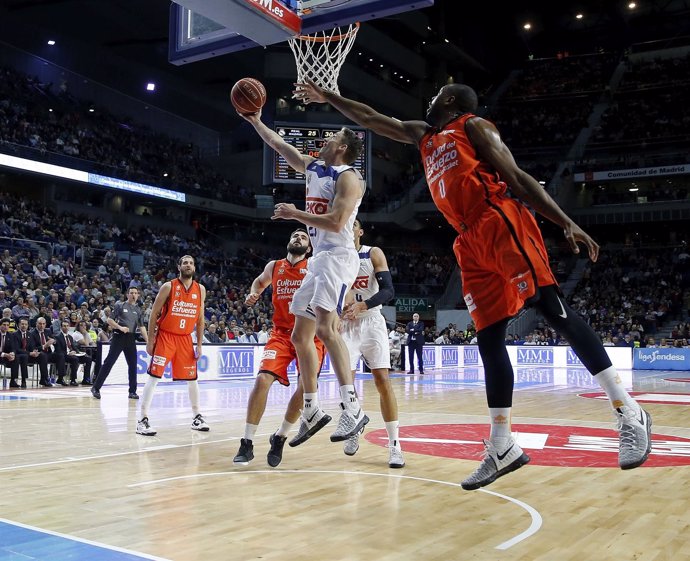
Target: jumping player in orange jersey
<point>285,276</point>
<point>502,258</point>
<point>178,310</point>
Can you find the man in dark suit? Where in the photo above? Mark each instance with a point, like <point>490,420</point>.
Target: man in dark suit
<point>42,339</point>
<point>8,357</point>
<point>28,352</point>
<point>65,345</point>
<point>415,343</point>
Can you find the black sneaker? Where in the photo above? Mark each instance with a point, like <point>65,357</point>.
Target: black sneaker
<point>95,393</point>
<point>245,454</point>
<point>132,395</point>
<point>275,454</point>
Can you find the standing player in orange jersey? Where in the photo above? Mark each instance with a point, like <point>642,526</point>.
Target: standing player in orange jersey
<point>177,311</point>
<point>502,258</point>
<point>285,276</point>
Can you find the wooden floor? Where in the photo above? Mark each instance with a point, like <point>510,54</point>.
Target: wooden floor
<point>76,482</point>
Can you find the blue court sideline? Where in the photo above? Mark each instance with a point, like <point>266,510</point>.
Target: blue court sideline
<point>19,542</point>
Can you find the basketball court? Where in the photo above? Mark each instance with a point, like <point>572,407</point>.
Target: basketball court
<point>78,483</point>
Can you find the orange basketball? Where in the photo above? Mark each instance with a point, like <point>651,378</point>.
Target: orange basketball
<point>248,96</point>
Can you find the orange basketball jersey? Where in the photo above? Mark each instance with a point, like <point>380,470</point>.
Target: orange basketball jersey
<point>459,182</point>
<point>287,278</point>
<point>181,311</point>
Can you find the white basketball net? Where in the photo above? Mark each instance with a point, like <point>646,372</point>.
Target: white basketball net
<point>320,56</point>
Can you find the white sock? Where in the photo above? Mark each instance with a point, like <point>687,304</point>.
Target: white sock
<point>349,397</point>
<point>147,395</point>
<point>611,383</point>
<point>285,428</point>
<point>250,431</point>
<point>193,386</point>
<point>311,400</point>
<point>500,424</point>
<point>392,430</point>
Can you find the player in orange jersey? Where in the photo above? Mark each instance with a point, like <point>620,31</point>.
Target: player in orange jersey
<point>285,277</point>
<point>501,255</point>
<point>178,310</point>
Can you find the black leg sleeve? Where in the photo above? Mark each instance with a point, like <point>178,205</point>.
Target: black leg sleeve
<point>498,372</point>
<point>582,338</point>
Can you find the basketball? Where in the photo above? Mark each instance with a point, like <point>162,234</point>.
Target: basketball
<point>248,96</point>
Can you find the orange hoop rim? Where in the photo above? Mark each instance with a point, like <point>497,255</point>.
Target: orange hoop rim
<point>324,39</point>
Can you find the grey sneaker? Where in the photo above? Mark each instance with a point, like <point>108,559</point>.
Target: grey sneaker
<point>395,456</point>
<point>245,454</point>
<point>199,423</point>
<point>351,445</point>
<point>349,424</point>
<point>144,428</point>
<point>310,423</point>
<point>495,464</point>
<point>635,437</point>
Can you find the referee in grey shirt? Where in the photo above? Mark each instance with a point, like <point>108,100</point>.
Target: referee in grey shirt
<point>125,319</point>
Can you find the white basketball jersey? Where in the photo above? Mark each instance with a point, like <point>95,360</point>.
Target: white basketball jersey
<point>365,285</point>
<point>321,182</point>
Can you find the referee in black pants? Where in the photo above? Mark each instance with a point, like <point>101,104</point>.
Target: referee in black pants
<point>125,319</point>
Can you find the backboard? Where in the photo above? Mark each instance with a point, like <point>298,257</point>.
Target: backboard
<point>201,29</point>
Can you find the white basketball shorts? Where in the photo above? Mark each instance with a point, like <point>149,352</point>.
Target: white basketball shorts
<point>330,275</point>
<point>367,337</point>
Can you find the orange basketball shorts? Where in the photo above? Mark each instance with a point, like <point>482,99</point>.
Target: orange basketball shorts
<point>279,352</point>
<point>502,262</point>
<point>177,349</point>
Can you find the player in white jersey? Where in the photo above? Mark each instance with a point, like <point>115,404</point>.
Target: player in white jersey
<point>334,191</point>
<point>365,334</point>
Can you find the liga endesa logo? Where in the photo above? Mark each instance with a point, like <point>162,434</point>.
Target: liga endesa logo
<point>546,445</point>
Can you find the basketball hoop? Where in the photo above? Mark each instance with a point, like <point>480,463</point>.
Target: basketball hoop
<point>321,55</point>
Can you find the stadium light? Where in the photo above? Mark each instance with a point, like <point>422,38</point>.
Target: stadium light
<point>51,42</point>
<point>579,16</point>
<point>150,87</point>
<point>527,26</point>
<point>632,6</point>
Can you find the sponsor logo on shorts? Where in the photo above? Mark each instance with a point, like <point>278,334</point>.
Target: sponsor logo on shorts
<point>159,360</point>
<point>471,306</point>
<point>269,354</point>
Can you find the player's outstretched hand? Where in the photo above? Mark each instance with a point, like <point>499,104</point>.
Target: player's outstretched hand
<point>308,92</point>
<point>252,298</point>
<point>253,118</point>
<point>574,234</point>
<point>284,211</point>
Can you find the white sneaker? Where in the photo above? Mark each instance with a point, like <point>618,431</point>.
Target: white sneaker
<point>351,445</point>
<point>495,464</point>
<point>349,424</point>
<point>310,423</point>
<point>395,456</point>
<point>144,428</point>
<point>199,423</point>
<point>635,437</point>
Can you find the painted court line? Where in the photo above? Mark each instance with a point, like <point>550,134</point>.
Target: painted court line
<point>534,527</point>
<point>129,552</point>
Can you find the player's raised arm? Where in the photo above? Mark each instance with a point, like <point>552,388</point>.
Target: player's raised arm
<point>409,132</point>
<point>293,157</point>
